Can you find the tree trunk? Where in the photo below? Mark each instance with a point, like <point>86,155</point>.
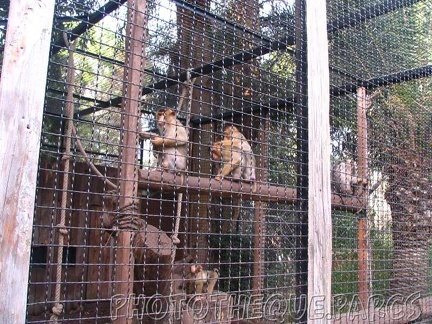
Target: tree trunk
<point>409,195</point>
<point>194,45</point>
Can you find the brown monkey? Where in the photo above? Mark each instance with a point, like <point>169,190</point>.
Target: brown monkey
<point>235,155</point>
<point>201,281</point>
<point>170,145</point>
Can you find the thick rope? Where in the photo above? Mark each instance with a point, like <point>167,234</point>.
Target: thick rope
<point>127,218</point>
<point>70,79</point>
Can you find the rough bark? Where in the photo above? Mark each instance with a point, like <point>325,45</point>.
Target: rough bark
<point>409,195</point>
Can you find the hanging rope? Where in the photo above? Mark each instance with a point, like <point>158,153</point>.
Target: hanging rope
<point>70,79</point>
<point>188,88</point>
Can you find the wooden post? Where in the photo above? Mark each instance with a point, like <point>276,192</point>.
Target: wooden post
<point>363,230</point>
<point>22,90</point>
<point>320,227</point>
<point>128,182</point>
<point>261,208</point>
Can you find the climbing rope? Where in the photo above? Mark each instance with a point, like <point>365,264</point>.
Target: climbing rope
<point>58,307</point>
<point>188,88</point>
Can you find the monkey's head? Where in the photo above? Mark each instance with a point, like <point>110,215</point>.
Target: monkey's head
<point>229,131</point>
<point>164,115</point>
<point>196,268</point>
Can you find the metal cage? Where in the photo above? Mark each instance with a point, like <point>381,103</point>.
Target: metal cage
<point>216,161</point>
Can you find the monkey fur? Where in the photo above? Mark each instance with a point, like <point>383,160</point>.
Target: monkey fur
<point>201,281</point>
<point>345,179</point>
<point>235,155</point>
<point>170,146</point>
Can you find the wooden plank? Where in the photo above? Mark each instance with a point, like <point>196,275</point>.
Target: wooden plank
<point>43,218</point>
<point>320,227</point>
<point>22,89</point>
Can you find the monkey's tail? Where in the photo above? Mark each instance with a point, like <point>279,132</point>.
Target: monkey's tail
<point>174,237</point>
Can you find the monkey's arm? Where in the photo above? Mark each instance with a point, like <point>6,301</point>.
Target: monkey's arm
<point>147,135</point>
<point>229,164</point>
<point>213,278</point>
<point>178,139</point>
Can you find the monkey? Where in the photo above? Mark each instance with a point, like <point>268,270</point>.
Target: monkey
<point>345,179</point>
<point>170,146</point>
<point>235,155</point>
<point>201,281</point>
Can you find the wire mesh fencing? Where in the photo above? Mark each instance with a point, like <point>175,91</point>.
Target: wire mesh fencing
<point>173,173</point>
<point>380,76</point>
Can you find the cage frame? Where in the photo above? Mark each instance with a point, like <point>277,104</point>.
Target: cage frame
<point>314,115</point>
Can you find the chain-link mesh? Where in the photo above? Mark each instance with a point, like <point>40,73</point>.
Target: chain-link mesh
<point>175,190</point>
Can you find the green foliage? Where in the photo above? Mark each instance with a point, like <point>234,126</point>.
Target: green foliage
<point>94,78</point>
<point>401,120</point>
<point>345,257</point>
<point>235,261</point>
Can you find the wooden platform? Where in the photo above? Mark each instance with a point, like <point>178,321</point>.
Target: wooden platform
<point>168,182</point>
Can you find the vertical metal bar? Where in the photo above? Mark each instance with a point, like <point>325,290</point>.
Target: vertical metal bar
<point>301,111</point>
<point>128,182</point>
<point>22,89</point>
<point>363,232</point>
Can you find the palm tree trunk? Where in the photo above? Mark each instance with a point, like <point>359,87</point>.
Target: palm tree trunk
<point>409,195</point>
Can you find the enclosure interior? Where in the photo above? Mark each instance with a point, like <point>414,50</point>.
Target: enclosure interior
<point>218,64</point>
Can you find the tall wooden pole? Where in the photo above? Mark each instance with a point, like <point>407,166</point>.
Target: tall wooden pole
<point>319,192</point>
<point>22,90</point>
<point>363,230</point>
<point>128,182</point>
<point>261,208</point>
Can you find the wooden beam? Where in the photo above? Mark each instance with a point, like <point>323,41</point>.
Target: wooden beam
<point>363,227</point>
<point>168,182</point>
<point>319,193</point>
<point>260,211</point>
<point>128,188</point>
<point>22,90</point>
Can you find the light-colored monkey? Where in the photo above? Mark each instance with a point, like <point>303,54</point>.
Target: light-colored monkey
<point>170,147</point>
<point>201,281</point>
<point>171,143</point>
<point>345,179</point>
<point>235,155</point>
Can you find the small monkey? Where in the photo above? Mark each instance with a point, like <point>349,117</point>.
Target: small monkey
<point>170,145</point>
<point>201,281</point>
<point>235,155</point>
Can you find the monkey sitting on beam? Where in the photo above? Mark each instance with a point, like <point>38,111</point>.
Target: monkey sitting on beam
<point>235,155</point>
<point>170,145</point>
